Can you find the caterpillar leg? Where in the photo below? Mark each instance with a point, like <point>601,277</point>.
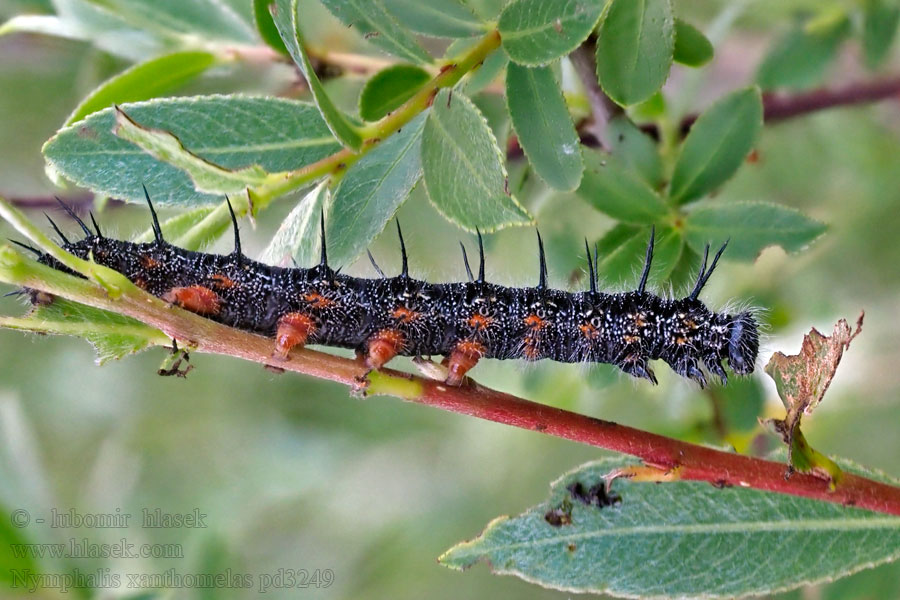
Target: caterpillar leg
<point>195,298</point>
<point>383,346</point>
<point>465,356</point>
<point>637,367</point>
<point>714,367</point>
<point>293,330</point>
<point>690,368</point>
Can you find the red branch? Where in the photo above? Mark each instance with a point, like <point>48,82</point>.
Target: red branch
<point>696,463</point>
<point>776,107</point>
<point>693,462</point>
<point>779,107</point>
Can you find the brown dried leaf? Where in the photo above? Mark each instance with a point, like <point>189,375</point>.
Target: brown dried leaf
<point>802,380</point>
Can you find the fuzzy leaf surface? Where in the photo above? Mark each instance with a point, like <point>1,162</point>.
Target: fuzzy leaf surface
<point>463,167</point>
<point>635,44</point>
<point>543,124</point>
<point>230,131</point>
<point>680,539</point>
<point>537,32</point>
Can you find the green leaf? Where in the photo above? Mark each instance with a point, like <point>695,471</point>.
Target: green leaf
<point>666,254</point>
<point>680,539</point>
<point>144,81</point>
<point>463,167</point>
<point>635,44</point>
<point>684,274</point>
<point>177,226</point>
<point>493,108</point>
<point>799,60</point>
<point>635,149</point>
<point>113,336</point>
<point>207,176</point>
<point>622,249</point>
<point>618,191</point>
<point>182,20</point>
<point>879,30</point>
<point>371,192</point>
<point>44,25</point>
<point>83,20</point>
<point>717,144</point>
<point>389,88</point>
<point>537,32</point>
<point>284,13</point>
<point>230,131</point>
<point>751,227</point>
<point>691,46</point>
<point>372,20</point>
<point>298,236</point>
<point>482,75</point>
<point>265,25</point>
<point>438,18</point>
<point>651,110</point>
<point>741,403</point>
<point>487,10</point>
<point>543,124</point>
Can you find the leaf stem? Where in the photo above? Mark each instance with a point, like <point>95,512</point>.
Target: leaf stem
<point>279,184</point>
<point>697,463</point>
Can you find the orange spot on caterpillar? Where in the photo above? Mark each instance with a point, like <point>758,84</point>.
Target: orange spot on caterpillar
<point>631,339</point>
<point>141,283</point>
<point>195,298</point>
<point>589,330</point>
<point>384,346</point>
<point>148,262</point>
<point>535,322</point>
<point>401,313</point>
<point>317,300</point>
<point>479,321</point>
<point>221,281</point>
<point>465,355</point>
<point>531,352</point>
<point>293,330</point>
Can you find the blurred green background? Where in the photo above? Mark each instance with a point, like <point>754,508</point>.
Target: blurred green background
<point>295,474</point>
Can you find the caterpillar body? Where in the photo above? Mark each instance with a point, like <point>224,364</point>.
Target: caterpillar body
<point>385,317</point>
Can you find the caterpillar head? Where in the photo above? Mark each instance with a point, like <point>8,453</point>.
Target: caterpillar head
<point>743,342</point>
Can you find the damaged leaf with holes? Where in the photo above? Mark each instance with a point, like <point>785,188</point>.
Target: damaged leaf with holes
<point>676,539</point>
<point>802,380</point>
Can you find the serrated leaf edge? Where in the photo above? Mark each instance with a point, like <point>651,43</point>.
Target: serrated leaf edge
<point>703,205</point>
<point>525,150</point>
<point>499,153</point>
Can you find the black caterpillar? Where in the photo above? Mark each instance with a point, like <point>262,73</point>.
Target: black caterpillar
<point>389,316</point>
